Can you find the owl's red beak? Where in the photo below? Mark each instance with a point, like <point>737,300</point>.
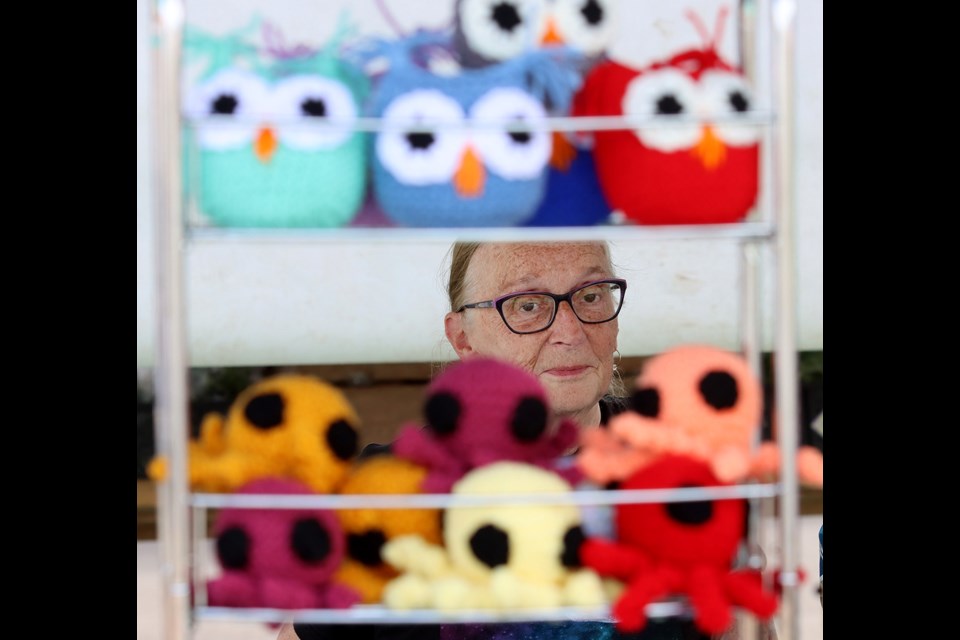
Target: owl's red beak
<point>710,150</point>
<point>470,176</point>
<point>551,36</point>
<point>265,144</point>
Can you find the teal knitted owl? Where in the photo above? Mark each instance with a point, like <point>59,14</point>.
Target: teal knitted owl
<point>272,142</point>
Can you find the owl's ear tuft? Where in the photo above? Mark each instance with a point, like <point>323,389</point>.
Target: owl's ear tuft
<point>551,75</point>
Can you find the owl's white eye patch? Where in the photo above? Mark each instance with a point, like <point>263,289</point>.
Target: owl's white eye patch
<point>415,154</point>
<point>727,94</point>
<point>586,25</point>
<point>501,29</point>
<point>513,152</point>
<point>312,112</point>
<point>225,108</point>
<point>663,94</point>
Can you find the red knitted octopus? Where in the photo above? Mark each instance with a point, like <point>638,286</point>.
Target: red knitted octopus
<point>664,549</point>
<point>484,410</point>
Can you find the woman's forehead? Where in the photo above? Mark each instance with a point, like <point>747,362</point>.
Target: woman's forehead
<point>504,267</point>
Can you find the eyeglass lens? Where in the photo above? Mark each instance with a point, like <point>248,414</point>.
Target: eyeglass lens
<point>534,311</point>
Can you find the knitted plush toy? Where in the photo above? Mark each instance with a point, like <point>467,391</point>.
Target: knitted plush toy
<point>699,172</point>
<point>678,549</point>
<point>488,32</point>
<point>464,149</point>
<point>292,426</point>
<point>479,411</point>
<point>809,460</point>
<point>500,556</point>
<point>367,530</point>
<point>272,142</point>
<point>278,558</point>
<point>696,400</point>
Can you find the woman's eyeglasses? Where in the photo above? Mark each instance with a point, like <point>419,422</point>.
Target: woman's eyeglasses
<point>534,311</point>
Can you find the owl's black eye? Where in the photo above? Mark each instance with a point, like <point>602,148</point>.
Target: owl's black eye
<point>224,104</point>
<point>420,140</point>
<point>314,107</point>
<point>521,137</point>
<point>592,12</point>
<point>669,105</point>
<point>739,101</point>
<point>506,16</point>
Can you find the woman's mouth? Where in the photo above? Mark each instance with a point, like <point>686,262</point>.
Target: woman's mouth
<point>567,372</point>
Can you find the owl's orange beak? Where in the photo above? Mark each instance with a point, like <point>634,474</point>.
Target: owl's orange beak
<point>563,152</point>
<point>551,36</point>
<point>470,176</point>
<point>710,150</point>
<point>265,144</point>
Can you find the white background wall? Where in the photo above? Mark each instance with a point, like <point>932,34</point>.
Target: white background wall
<point>354,299</point>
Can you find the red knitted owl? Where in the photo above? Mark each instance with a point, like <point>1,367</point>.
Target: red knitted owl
<point>692,158</point>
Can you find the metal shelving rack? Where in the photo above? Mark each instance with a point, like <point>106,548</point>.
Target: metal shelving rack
<point>181,513</point>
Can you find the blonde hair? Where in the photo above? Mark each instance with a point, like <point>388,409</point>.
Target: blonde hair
<point>461,253</point>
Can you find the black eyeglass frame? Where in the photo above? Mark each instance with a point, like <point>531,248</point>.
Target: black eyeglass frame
<point>497,303</point>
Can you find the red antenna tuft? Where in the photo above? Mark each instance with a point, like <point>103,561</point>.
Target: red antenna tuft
<point>710,44</point>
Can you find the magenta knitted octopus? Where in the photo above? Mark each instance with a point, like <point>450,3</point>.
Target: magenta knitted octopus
<point>484,410</point>
<point>279,558</point>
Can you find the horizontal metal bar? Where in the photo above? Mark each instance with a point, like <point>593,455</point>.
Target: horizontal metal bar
<point>658,233</point>
<point>444,500</point>
<point>381,614</point>
<point>557,123</point>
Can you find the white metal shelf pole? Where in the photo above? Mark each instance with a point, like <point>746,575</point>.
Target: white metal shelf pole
<point>170,362</point>
<point>786,362</point>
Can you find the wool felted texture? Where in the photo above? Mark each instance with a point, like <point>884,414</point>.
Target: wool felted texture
<point>289,425</point>
<point>488,32</point>
<point>669,549</point>
<point>702,172</point>
<point>367,530</point>
<point>273,143</point>
<point>694,399</point>
<point>500,556</point>
<point>479,411</point>
<point>278,558</point>
<point>468,149</point>
<point>574,195</point>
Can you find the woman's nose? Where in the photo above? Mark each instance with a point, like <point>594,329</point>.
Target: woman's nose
<point>566,319</point>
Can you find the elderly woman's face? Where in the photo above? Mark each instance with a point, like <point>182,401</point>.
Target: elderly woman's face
<point>574,361</point>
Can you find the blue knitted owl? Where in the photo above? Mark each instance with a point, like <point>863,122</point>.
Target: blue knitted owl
<point>273,142</point>
<point>464,149</point>
<point>490,31</point>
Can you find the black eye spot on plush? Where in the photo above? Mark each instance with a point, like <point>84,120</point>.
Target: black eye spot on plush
<point>719,390</point>
<point>265,411</point>
<point>646,402</point>
<point>490,545</point>
<point>365,547</point>
<point>343,439</point>
<point>310,541</point>
<point>233,548</point>
<point>529,420</point>
<point>696,512</point>
<point>442,412</point>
